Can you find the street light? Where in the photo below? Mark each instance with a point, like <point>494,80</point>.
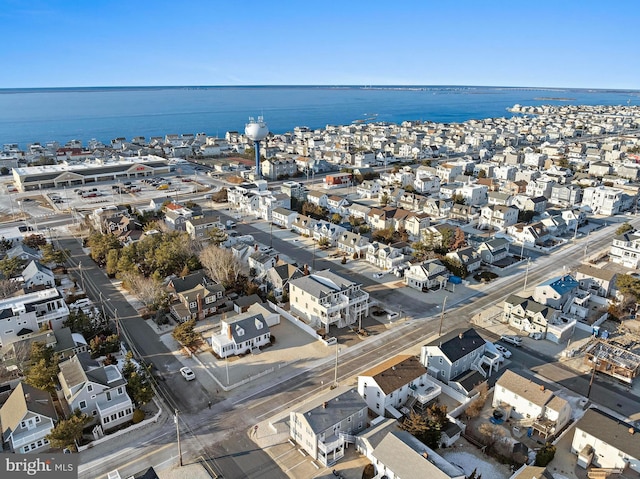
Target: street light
<point>335,373</point>
<point>526,275</point>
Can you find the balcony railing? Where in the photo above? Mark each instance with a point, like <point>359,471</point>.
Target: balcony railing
<point>40,432</point>
<point>330,444</point>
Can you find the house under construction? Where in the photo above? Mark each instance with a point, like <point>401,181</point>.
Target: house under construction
<point>613,360</point>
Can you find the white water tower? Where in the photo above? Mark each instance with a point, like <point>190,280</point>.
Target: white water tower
<point>256,131</point>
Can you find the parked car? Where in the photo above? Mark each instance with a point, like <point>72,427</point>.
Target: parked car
<point>378,275</point>
<point>504,351</point>
<point>187,373</point>
<point>513,340</point>
<point>536,336</point>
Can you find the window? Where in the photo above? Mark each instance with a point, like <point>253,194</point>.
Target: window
<point>83,404</point>
<point>106,420</point>
<point>94,413</point>
<point>108,394</point>
<point>120,390</point>
<point>440,360</point>
<point>378,394</point>
<point>89,387</point>
<point>37,418</point>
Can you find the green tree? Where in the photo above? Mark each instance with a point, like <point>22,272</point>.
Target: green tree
<point>4,171</point>
<point>79,322</point>
<point>138,383</point>
<point>51,255</point>
<point>336,218</point>
<point>10,267</point>
<point>482,174</point>
<point>216,236</point>
<point>101,244</point>
<point>112,260</point>
<point>459,199</point>
<point>626,284</point>
<point>103,345</point>
<point>185,333</point>
<point>34,241</point>
<point>623,228</point>
<point>525,216</point>
<point>41,374</point>
<point>385,199</point>
<point>67,432</point>
<point>324,242</point>
<point>545,455</point>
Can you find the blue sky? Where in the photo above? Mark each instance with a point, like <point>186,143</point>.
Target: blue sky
<point>561,43</point>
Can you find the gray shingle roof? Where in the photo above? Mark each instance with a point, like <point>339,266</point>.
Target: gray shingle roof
<point>320,418</point>
<point>459,343</point>
<point>611,430</point>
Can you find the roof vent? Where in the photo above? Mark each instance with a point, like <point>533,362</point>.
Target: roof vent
<point>632,431</point>
<point>425,454</point>
<point>324,405</point>
<point>460,336</point>
<point>541,387</point>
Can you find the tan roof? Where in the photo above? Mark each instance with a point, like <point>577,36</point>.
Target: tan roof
<point>525,388</point>
<point>25,398</point>
<point>599,273</point>
<point>396,372</point>
<point>557,404</point>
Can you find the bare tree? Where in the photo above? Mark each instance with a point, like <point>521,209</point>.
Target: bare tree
<point>8,287</point>
<point>220,265</point>
<point>491,435</point>
<point>147,290</point>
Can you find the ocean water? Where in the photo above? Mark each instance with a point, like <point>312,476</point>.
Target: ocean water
<point>41,115</point>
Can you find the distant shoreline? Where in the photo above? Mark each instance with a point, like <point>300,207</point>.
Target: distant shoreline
<point>553,98</point>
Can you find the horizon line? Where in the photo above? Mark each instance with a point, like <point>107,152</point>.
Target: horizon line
<point>362,86</point>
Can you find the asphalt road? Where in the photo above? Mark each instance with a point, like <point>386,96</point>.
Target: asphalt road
<point>221,434</point>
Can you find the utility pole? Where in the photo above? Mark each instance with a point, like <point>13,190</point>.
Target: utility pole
<point>335,373</point>
<point>444,302</point>
<point>526,275</point>
<point>176,419</point>
<point>115,315</point>
<point>593,373</point>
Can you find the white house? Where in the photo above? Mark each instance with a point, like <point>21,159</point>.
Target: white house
<point>605,441</point>
<point>625,249</point>
<point>35,275</point>
<point>603,200</point>
<point>241,334</point>
<point>27,417</point>
<point>324,426</point>
<point>531,403</point>
<point>399,381</point>
<point>24,315</point>
<point>98,391</point>
<point>325,298</point>
<point>283,217</point>
<point>430,274</point>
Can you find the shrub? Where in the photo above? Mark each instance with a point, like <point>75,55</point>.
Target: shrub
<point>138,416</point>
<point>545,455</point>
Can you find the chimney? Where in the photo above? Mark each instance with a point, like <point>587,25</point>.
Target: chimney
<point>229,335</point>
<point>199,300</point>
<point>425,454</point>
<point>632,431</point>
<point>541,387</point>
<point>27,397</point>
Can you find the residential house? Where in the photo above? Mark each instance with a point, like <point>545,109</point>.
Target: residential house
<point>381,218</point>
<point>426,183</point>
<point>462,213</point>
<point>625,249</point>
<point>387,256</point>
<point>27,417</point>
<point>241,334</point>
<point>515,187</point>
<point>566,195</point>
<point>533,234</point>
<point>278,277</point>
<point>494,250</point>
<point>426,464</point>
<point>196,297</point>
<point>598,281</point>
<point>438,208</point>
<point>474,194</point>
<point>36,276</point>
<point>337,204</point>
<point>24,252</point>
<point>98,391</point>
<point>605,441</point>
<point>415,225</point>
<point>359,211</point>
<point>555,224</point>
<point>176,216</point>
<point>199,228</point>
<point>352,243</point>
<point>556,292</point>
<point>460,359</point>
<point>498,216</point>
<point>276,169</point>
<point>498,198</point>
<point>24,315</point>
<point>427,275</point>
<point>283,217</point>
<point>318,198</point>
<point>525,400</point>
<point>325,229</point>
<point>260,262</point>
<point>399,381</point>
<point>368,189</point>
<point>468,257</point>
<point>603,200</point>
<point>324,298</point>
<point>325,426</point>
<point>528,315</point>
<point>293,189</point>
<point>303,225</point>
